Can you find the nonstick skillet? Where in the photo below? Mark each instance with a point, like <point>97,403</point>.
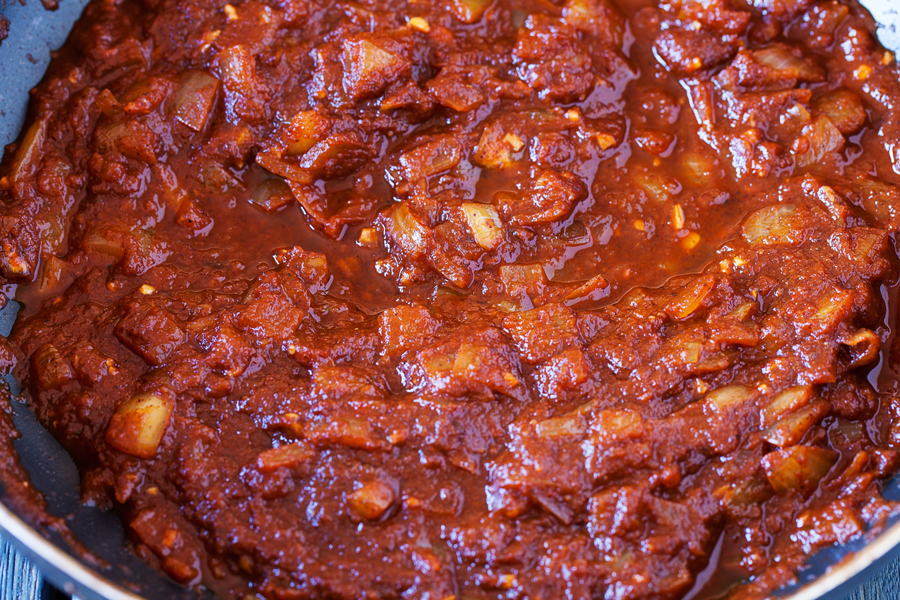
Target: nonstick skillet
<point>24,55</point>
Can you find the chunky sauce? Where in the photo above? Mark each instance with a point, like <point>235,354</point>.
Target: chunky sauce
<point>465,299</point>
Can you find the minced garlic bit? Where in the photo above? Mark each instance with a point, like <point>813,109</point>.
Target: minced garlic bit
<point>514,141</point>
<point>147,290</point>
<point>729,265</point>
<point>368,237</point>
<point>639,225</point>
<point>419,24</point>
<point>862,72</point>
<point>678,217</point>
<point>170,537</point>
<point>209,38</point>
<point>230,12</point>
<point>605,141</point>
<point>888,58</point>
<point>573,115</point>
<point>690,241</point>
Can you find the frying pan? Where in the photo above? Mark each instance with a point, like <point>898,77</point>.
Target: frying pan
<point>24,57</point>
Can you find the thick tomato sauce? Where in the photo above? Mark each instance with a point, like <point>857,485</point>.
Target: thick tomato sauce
<point>465,299</point>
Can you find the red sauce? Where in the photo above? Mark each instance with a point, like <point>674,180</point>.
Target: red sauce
<point>466,299</point>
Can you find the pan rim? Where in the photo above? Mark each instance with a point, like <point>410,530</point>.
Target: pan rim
<point>57,565</point>
<point>73,577</point>
<point>65,571</point>
<point>853,564</point>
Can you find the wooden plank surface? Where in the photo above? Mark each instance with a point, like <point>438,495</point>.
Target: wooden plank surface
<point>21,581</point>
<point>882,586</point>
<point>18,579</point>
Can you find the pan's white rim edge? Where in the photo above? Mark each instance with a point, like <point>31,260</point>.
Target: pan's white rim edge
<point>75,578</point>
<point>851,566</point>
<point>58,566</point>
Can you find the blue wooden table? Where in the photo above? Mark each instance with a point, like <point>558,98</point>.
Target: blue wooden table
<point>881,586</point>
<point>19,580</point>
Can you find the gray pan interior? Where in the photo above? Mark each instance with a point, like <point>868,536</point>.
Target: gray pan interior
<point>24,56</point>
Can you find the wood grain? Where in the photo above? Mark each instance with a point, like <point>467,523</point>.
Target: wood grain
<point>882,586</point>
<point>18,578</point>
